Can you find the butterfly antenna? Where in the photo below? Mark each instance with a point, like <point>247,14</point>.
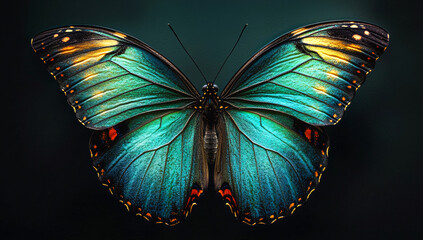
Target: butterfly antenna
<point>192,59</point>
<point>233,48</point>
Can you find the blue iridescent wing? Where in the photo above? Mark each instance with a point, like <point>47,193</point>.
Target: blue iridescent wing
<point>153,163</point>
<point>109,77</point>
<point>268,163</point>
<point>311,73</point>
<point>272,152</point>
<point>145,145</point>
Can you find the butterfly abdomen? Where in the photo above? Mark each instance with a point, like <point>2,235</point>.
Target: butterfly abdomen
<point>210,142</point>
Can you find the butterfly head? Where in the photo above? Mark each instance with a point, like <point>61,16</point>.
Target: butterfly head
<point>210,89</point>
<point>210,99</point>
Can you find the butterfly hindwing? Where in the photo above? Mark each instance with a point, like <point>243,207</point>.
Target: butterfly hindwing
<point>311,73</point>
<point>153,163</point>
<point>268,163</point>
<point>109,77</point>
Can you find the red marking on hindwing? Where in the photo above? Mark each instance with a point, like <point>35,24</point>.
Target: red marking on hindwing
<point>194,195</point>
<point>228,197</point>
<point>307,133</point>
<point>112,134</point>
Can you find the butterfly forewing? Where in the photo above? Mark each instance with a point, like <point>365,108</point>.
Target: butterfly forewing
<point>311,73</point>
<point>109,77</point>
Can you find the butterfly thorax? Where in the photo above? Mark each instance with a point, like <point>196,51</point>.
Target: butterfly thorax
<point>210,105</point>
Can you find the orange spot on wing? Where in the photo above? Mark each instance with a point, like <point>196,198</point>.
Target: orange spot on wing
<point>112,134</point>
<point>307,133</point>
<point>65,39</point>
<point>226,193</point>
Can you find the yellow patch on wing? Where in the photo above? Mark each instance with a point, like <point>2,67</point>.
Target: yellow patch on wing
<point>92,56</point>
<point>118,34</point>
<point>68,50</point>
<point>298,31</point>
<point>332,43</point>
<point>333,74</point>
<point>357,37</point>
<point>330,55</point>
<point>320,88</point>
<point>88,75</point>
<point>88,45</point>
<point>65,39</point>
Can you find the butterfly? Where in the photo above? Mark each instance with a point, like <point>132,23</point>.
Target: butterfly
<point>157,141</point>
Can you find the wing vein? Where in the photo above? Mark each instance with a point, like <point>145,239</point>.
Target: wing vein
<point>241,132</point>
<point>266,80</point>
<point>260,102</point>
<point>153,82</point>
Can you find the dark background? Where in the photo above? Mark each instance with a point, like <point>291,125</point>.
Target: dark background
<point>372,188</point>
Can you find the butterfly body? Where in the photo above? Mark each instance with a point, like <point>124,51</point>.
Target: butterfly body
<point>156,139</point>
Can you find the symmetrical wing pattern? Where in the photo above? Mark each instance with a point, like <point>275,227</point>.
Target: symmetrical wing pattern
<point>109,77</point>
<point>311,73</point>
<point>149,144</point>
<point>268,163</point>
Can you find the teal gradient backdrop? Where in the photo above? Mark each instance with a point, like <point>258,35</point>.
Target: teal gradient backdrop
<point>370,189</point>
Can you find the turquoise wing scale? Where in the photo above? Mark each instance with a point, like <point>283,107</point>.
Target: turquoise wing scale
<point>140,105</point>
<point>272,150</point>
